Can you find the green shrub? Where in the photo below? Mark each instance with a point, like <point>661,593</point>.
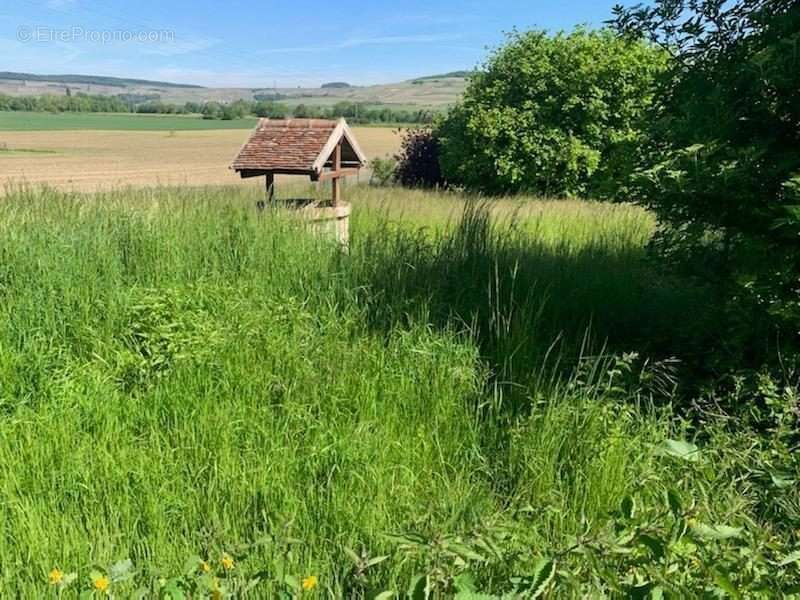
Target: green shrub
<point>723,171</point>
<point>555,115</point>
<point>383,171</point>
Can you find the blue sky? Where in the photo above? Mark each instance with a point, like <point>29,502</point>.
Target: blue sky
<point>249,43</point>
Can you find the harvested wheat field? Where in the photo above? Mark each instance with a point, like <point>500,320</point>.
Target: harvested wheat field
<point>102,160</point>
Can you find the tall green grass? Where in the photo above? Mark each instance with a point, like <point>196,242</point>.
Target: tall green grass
<point>181,374</point>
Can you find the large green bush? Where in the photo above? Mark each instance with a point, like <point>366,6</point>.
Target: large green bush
<point>723,174</point>
<point>552,114</point>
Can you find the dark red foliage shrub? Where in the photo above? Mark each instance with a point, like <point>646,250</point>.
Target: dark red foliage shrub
<point>418,161</point>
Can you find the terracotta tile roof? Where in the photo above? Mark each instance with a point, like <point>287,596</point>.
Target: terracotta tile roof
<point>291,144</point>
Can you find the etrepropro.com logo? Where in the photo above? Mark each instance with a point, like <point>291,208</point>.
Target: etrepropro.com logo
<point>39,34</point>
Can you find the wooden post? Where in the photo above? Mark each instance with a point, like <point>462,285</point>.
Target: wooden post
<point>270,187</point>
<point>270,192</point>
<point>337,165</point>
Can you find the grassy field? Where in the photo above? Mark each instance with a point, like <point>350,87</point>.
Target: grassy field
<point>182,376</point>
<point>102,160</point>
<point>39,121</point>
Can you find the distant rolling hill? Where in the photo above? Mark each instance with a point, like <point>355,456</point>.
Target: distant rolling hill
<point>90,80</point>
<point>452,75</point>
<point>435,92</point>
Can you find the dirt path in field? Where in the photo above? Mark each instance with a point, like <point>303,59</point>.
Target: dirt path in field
<point>98,160</point>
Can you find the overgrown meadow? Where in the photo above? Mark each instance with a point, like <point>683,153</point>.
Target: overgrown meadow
<point>202,400</point>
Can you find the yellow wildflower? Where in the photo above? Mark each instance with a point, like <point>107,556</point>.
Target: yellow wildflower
<point>227,562</point>
<point>309,583</point>
<point>101,584</point>
<point>204,566</point>
<point>55,577</point>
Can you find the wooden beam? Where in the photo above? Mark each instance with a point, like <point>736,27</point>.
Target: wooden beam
<point>248,173</point>
<point>328,175</point>
<point>337,166</point>
<point>270,186</point>
<point>245,173</point>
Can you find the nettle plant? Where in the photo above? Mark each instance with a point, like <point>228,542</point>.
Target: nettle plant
<point>663,540</point>
<point>655,546</point>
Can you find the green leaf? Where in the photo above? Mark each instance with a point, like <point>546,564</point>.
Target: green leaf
<point>464,552</point>
<point>416,591</point>
<point>191,565</point>
<point>409,539</point>
<point>628,507</point>
<point>789,559</point>
<point>640,591</point>
<point>388,595</point>
<point>206,581</point>
<point>264,540</point>
<point>352,555</point>
<point>121,571</point>
<point>376,561</point>
<point>725,584</point>
<point>782,480</point>
<point>675,502</point>
<point>173,591</point>
<point>465,582</point>
<point>716,532</point>
<point>679,449</point>
<point>657,593</point>
<point>543,574</point>
<point>292,582</point>
<point>653,544</point>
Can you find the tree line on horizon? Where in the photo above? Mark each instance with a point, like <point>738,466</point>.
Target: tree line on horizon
<point>355,112</point>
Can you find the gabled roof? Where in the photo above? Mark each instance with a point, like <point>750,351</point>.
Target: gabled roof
<point>297,146</point>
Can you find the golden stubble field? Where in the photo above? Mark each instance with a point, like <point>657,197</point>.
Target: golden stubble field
<point>100,160</point>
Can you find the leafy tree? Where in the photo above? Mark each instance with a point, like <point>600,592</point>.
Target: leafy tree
<point>150,104</point>
<point>212,110</point>
<point>303,111</point>
<point>552,114</point>
<point>723,172</point>
<point>272,110</point>
<point>236,110</point>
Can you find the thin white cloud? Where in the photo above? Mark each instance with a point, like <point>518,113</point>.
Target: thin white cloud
<point>429,19</point>
<point>178,46</point>
<point>38,58</point>
<point>389,40</point>
<point>59,4</point>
